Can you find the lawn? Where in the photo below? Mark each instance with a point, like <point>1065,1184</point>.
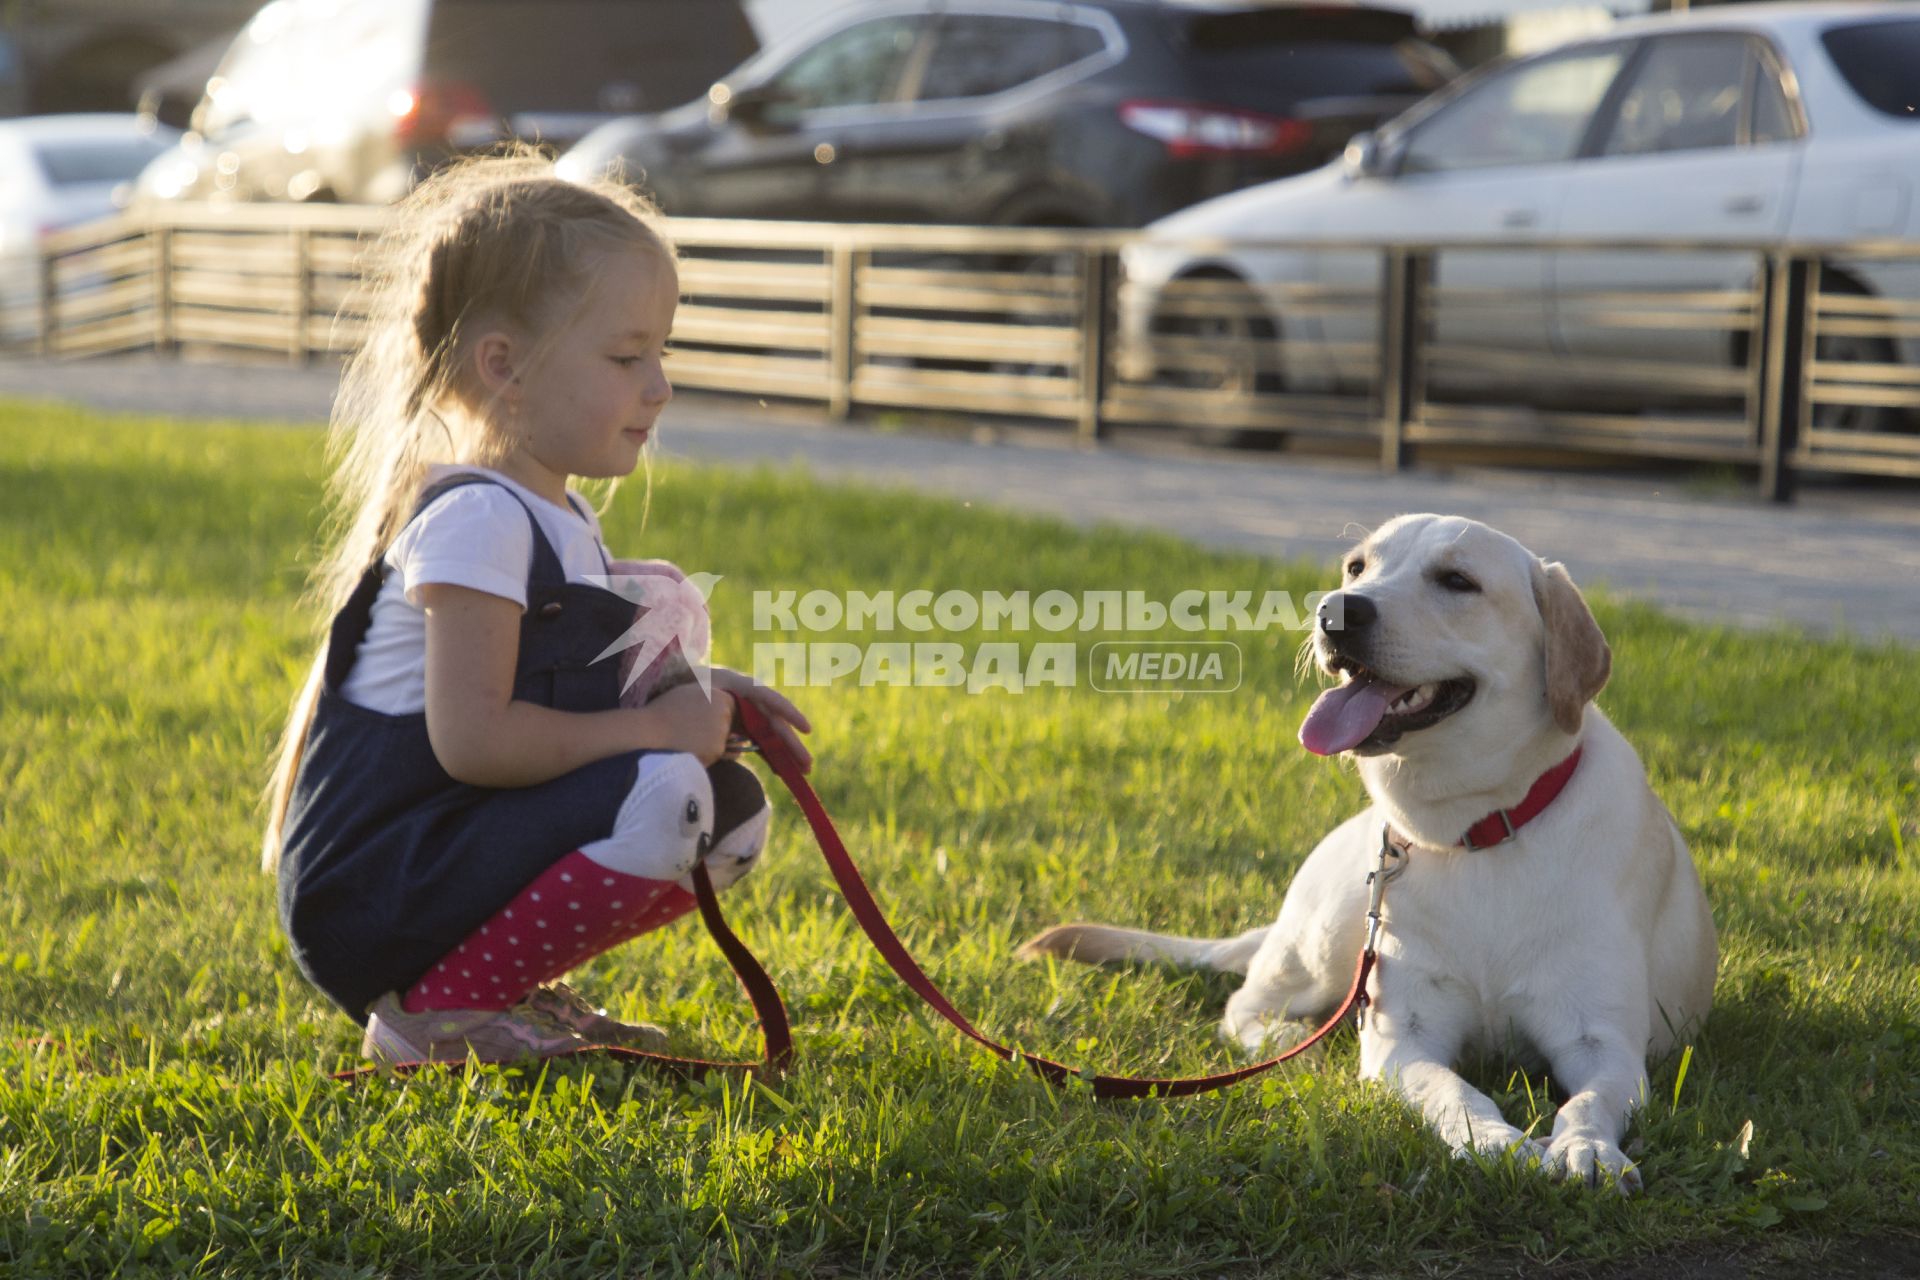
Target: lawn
<point>163,1103</point>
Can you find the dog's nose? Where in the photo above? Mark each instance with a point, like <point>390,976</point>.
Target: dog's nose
<point>1347,612</point>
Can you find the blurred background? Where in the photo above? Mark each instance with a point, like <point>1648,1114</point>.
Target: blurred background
<point>294,90</point>
<point>102,55</point>
<point>1508,224</point>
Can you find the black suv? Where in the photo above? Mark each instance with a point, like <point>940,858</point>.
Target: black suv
<point>1024,112</point>
<point>354,100</point>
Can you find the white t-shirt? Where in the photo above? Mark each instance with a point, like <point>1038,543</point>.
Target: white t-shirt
<point>476,536</point>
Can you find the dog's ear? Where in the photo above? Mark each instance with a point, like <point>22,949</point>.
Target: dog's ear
<point>1578,659</point>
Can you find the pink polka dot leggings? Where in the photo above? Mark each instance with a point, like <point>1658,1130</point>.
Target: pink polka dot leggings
<point>606,892</point>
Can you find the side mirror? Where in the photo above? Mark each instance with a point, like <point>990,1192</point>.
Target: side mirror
<point>1364,157</point>
<point>755,107</point>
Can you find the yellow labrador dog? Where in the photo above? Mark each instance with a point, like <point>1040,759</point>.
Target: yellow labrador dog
<point>1545,902</point>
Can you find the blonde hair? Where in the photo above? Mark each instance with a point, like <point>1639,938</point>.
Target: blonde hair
<point>498,239</point>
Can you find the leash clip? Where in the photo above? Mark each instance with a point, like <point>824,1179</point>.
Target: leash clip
<point>1389,851</point>
<point>1377,892</point>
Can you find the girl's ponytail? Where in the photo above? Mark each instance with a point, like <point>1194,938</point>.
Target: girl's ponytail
<point>293,747</point>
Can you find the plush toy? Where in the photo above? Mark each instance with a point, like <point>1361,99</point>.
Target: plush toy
<point>670,634</point>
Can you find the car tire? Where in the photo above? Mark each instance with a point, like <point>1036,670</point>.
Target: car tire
<point>1039,266</point>
<point>1244,323</point>
<point>1850,349</point>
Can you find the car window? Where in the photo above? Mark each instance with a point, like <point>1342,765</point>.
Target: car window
<point>1877,60</point>
<point>79,161</point>
<point>13,80</point>
<point>1273,57</point>
<point>977,54</point>
<point>561,56</point>
<point>1532,113</point>
<point>1773,118</point>
<point>1685,95</point>
<point>855,67</point>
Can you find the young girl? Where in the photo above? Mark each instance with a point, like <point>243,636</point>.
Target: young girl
<point>463,810</point>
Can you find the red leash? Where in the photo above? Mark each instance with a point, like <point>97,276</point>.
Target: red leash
<point>773,1015</point>
<point>867,912</point>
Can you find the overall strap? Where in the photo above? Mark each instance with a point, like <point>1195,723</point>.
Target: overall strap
<point>573,500</point>
<point>350,625</point>
<point>547,570</point>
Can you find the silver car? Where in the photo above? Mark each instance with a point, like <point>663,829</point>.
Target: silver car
<point>55,172</point>
<point>1749,124</point>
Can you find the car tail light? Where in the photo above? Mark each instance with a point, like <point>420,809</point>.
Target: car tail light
<point>435,112</point>
<point>1195,129</point>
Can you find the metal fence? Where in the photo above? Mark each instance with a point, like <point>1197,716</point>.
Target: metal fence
<point>1785,363</point>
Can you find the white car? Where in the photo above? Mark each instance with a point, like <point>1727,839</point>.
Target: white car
<point>55,172</point>
<point>1750,123</point>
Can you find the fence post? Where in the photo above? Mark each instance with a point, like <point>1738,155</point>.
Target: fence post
<point>1793,287</point>
<point>162,287</point>
<point>49,298</point>
<point>1096,298</point>
<point>1403,280</point>
<point>842,262</point>
<point>302,294</point>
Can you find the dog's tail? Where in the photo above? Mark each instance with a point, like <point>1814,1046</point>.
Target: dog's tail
<point>1105,944</point>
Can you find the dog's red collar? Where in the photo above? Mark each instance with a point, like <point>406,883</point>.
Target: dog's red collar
<point>1502,825</point>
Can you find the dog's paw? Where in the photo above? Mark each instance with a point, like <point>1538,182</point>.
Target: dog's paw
<point>1575,1157</point>
<point>1263,1034</point>
<point>1491,1143</point>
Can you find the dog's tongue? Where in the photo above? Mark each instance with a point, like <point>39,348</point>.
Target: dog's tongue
<point>1345,715</point>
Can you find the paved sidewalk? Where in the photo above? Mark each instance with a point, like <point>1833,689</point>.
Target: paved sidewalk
<point>1842,559</point>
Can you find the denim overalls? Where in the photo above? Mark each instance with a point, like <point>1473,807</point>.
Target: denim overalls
<point>387,862</point>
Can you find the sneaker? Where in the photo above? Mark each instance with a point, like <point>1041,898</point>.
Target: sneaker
<point>451,1035</point>
<point>562,1004</point>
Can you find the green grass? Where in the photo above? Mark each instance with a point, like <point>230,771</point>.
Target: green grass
<point>162,1103</point>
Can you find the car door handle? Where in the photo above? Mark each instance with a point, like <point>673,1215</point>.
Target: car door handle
<point>1745,204</point>
<point>1518,219</point>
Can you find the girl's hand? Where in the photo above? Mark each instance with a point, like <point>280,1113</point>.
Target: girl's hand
<point>788,721</point>
<point>692,722</point>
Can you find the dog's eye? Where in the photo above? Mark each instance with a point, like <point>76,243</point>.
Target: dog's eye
<point>1356,567</point>
<point>1454,580</point>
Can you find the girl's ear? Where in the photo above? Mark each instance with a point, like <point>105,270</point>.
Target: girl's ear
<point>493,357</point>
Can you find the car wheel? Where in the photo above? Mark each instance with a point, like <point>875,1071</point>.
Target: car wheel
<point>1226,349</point>
<point>1856,349</point>
<point>1044,269</point>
